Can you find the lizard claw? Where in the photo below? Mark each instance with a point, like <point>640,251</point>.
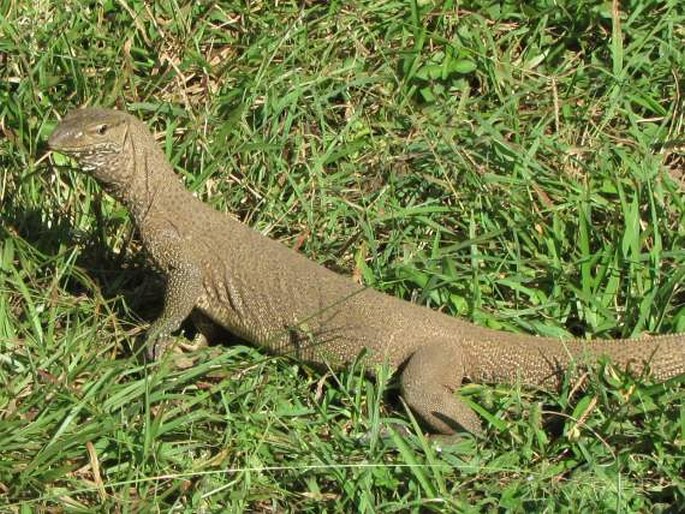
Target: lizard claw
<point>156,347</point>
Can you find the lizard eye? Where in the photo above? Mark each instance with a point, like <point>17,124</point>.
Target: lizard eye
<point>101,129</point>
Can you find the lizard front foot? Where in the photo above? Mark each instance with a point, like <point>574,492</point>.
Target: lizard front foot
<point>158,340</point>
<point>155,348</point>
<point>178,348</point>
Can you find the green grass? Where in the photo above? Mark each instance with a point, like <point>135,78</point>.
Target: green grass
<point>515,166</point>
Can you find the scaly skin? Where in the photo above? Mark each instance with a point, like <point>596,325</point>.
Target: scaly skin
<point>266,293</point>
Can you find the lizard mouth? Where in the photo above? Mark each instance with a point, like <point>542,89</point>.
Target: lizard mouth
<point>58,141</point>
<point>63,142</point>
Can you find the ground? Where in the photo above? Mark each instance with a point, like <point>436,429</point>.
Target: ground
<point>517,165</point>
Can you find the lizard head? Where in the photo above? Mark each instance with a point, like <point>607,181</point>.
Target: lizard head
<point>94,137</point>
<point>108,144</point>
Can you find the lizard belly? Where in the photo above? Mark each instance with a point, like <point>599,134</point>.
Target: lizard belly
<point>227,317</point>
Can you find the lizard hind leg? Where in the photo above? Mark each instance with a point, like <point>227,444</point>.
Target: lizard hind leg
<point>427,384</point>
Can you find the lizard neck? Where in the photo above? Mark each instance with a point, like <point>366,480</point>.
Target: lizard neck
<point>147,187</point>
<point>155,193</point>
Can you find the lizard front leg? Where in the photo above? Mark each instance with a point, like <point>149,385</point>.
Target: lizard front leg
<point>183,289</point>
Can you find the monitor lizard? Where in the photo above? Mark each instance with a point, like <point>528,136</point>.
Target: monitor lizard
<point>220,269</point>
